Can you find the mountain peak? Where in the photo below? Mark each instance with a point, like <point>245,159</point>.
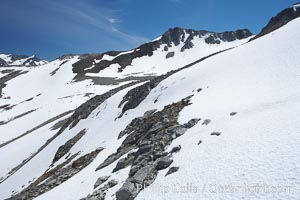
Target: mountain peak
<point>177,35</point>
<point>280,20</point>
<point>20,60</point>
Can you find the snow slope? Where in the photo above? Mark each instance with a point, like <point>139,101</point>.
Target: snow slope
<point>250,94</point>
<point>51,90</point>
<point>258,146</point>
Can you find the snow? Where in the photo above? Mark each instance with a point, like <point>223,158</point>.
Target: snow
<point>260,145</point>
<point>107,57</point>
<point>257,146</point>
<point>20,62</point>
<point>295,7</point>
<point>157,64</point>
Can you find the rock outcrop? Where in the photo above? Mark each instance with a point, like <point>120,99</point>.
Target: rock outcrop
<point>280,20</point>
<point>174,36</point>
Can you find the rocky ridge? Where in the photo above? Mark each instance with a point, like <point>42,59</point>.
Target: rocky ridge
<point>173,37</point>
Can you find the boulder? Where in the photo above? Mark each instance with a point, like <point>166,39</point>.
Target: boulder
<point>170,55</point>
<point>163,163</point>
<point>172,170</point>
<point>127,192</point>
<point>100,180</point>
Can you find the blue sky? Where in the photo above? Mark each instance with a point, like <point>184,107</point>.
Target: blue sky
<point>50,28</point>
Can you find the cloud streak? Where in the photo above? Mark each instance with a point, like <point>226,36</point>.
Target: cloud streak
<point>103,19</point>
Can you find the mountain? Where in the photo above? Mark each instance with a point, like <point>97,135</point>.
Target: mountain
<point>20,60</point>
<point>190,115</point>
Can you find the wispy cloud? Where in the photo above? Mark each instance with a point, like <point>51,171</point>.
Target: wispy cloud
<point>104,19</point>
<point>111,20</point>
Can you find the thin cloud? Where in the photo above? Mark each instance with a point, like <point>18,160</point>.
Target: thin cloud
<point>103,22</point>
<point>111,20</point>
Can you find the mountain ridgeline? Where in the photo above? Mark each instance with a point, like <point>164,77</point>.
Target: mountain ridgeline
<point>173,37</point>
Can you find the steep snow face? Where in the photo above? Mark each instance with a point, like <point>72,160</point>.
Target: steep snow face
<point>246,145</point>
<point>259,146</point>
<point>252,99</point>
<point>16,60</point>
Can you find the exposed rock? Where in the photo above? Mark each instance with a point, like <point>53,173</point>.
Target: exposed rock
<point>279,20</point>
<point>233,113</point>
<point>56,177</point>
<point>115,156</point>
<point>8,77</point>
<point>191,123</point>
<point>21,60</point>
<point>112,183</point>
<point>124,162</point>
<point>16,117</point>
<point>151,134</point>
<point>216,133</point>
<point>135,96</point>
<point>144,176</point>
<point>84,110</point>
<point>175,149</point>
<point>100,180</point>
<point>173,36</point>
<point>163,163</point>
<point>100,193</point>
<point>64,149</point>
<point>170,54</point>
<point>206,122</point>
<point>172,170</point>
<point>127,192</point>
<point>145,149</point>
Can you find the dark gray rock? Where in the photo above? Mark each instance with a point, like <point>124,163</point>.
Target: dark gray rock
<point>124,162</point>
<point>84,110</point>
<point>112,183</point>
<point>3,63</point>
<point>173,36</point>
<point>170,55</point>
<point>64,149</point>
<point>145,149</point>
<point>216,133</point>
<point>191,123</point>
<point>56,176</point>
<point>149,113</point>
<point>163,163</point>
<point>279,20</point>
<point>101,180</point>
<point>127,192</point>
<point>172,170</point>
<point>144,175</point>
<point>233,113</point>
<point>175,149</point>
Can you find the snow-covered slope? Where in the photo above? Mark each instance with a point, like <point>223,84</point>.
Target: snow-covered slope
<point>209,122</point>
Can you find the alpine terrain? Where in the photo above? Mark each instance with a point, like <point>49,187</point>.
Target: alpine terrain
<point>190,115</point>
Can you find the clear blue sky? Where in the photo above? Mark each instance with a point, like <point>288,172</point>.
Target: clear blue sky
<point>50,28</point>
